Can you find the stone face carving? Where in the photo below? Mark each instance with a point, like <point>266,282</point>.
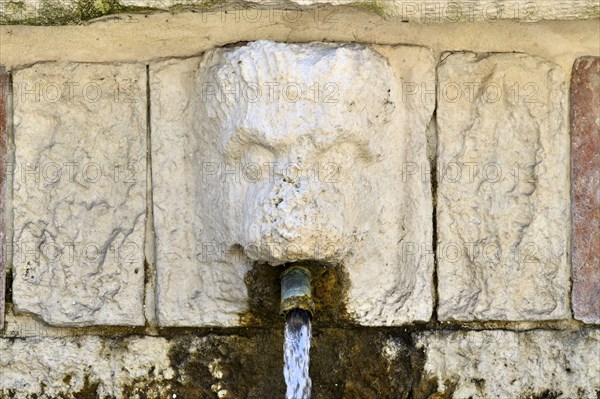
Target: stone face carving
<point>80,193</point>
<point>286,152</point>
<point>502,188</point>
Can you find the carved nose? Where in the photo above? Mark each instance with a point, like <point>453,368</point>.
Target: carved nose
<point>295,195</point>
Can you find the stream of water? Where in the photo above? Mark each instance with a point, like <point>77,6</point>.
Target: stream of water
<point>296,354</point>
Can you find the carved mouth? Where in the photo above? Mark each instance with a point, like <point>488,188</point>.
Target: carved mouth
<point>277,253</point>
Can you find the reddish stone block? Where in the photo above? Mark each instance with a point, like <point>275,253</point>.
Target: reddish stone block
<point>4,82</point>
<point>585,168</point>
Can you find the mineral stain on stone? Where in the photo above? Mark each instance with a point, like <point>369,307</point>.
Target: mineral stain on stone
<point>228,366</point>
<point>345,363</point>
<point>89,390</point>
<point>546,394</point>
<point>329,287</point>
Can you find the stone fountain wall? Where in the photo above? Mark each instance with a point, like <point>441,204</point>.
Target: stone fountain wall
<point>439,177</point>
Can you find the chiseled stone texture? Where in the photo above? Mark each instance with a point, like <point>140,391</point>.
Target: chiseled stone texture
<point>80,193</point>
<point>85,366</point>
<point>503,188</point>
<point>585,161</point>
<point>4,82</point>
<point>62,12</point>
<point>506,364</point>
<point>246,169</point>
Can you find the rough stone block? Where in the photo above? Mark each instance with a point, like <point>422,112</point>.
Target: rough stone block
<point>80,193</point>
<point>506,364</point>
<point>432,365</point>
<point>585,166</point>
<point>85,366</point>
<point>4,115</point>
<point>503,188</point>
<point>278,153</point>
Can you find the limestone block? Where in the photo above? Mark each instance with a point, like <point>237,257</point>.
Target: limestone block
<point>4,83</point>
<point>503,188</point>
<point>277,153</point>
<point>506,364</point>
<point>80,193</point>
<point>585,161</point>
<point>85,366</point>
<point>54,366</point>
<point>142,365</point>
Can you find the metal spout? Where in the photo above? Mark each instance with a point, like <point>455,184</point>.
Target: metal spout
<point>296,291</point>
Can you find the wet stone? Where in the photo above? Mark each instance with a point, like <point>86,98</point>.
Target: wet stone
<point>344,363</point>
<point>585,166</point>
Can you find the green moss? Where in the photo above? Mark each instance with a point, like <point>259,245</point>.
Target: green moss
<point>55,12</point>
<point>89,9</point>
<point>592,12</point>
<point>15,7</point>
<point>196,5</point>
<point>46,12</point>
<point>103,6</point>
<point>372,6</point>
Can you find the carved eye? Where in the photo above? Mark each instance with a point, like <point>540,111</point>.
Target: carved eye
<point>257,153</point>
<point>257,162</point>
<point>348,152</point>
<point>342,159</point>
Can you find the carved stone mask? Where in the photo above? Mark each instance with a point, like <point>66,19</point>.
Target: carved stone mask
<point>301,134</point>
<point>293,152</point>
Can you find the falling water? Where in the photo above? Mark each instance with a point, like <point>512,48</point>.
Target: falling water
<point>296,348</point>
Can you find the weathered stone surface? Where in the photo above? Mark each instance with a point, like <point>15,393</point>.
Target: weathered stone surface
<point>345,363</point>
<point>4,82</point>
<point>259,158</point>
<point>585,161</point>
<point>504,364</point>
<point>502,188</point>
<point>223,366</point>
<point>80,193</point>
<point>85,367</point>
<point>61,12</point>
<point>52,366</point>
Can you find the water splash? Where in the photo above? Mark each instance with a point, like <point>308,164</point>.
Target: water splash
<point>296,348</point>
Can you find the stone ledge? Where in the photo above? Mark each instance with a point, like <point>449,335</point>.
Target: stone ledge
<point>66,12</point>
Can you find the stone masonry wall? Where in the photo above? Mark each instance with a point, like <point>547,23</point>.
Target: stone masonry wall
<point>443,191</point>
